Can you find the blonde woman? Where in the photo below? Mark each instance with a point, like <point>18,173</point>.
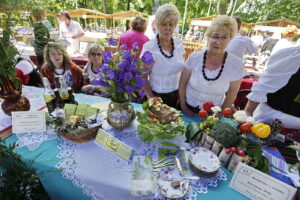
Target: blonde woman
<point>57,62</point>
<point>288,35</point>
<point>162,78</point>
<point>212,74</point>
<point>91,70</point>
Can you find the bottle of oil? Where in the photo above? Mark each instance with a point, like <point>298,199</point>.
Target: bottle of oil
<point>59,102</point>
<point>49,96</point>
<point>63,90</point>
<point>71,99</point>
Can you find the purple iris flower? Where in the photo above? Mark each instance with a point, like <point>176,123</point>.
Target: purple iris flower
<point>103,83</point>
<point>110,74</point>
<point>135,46</point>
<point>147,58</point>
<point>120,89</point>
<point>129,89</point>
<point>123,64</point>
<point>142,94</point>
<point>112,42</point>
<point>128,76</point>
<point>123,47</point>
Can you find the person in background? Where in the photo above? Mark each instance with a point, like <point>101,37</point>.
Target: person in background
<point>57,62</point>
<point>28,68</point>
<point>138,28</point>
<point>269,44</point>
<point>91,70</point>
<point>241,45</point>
<point>288,35</point>
<point>70,29</point>
<point>212,74</point>
<point>41,35</point>
<point>162,78</point>
<point>277,94</point>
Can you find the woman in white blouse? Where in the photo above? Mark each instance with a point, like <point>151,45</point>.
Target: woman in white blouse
<point>212,74</point>
<point>277,94</point>
<point>162,78</point>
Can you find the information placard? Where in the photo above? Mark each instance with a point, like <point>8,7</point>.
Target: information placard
<point>28,121</point>
<point>260,186</point>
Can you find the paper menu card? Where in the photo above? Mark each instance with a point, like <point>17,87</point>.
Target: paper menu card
<point>112,144</point>
<point>258,185</point>
<point>28,121</point>
<point>142,180</point>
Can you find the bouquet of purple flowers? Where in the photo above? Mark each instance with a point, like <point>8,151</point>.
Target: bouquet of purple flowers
<point>121,74</point>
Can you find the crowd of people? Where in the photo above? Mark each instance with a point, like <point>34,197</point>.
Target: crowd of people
<point>211,74</point>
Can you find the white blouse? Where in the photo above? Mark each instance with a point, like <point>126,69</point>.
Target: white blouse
<point>88,69</point>
<point>280,67</point>
<point>199,90</point>
<point>165,73</point>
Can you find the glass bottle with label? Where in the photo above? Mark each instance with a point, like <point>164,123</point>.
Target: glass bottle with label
<point>56,81</point>
<point>49,96</point>
<point>59,102</point>
<point>63,90</point>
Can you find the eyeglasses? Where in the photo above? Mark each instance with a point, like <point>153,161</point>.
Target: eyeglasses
<point>96,54</point>
<point>216,38</point>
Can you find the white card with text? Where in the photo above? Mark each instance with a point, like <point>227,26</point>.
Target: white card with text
<point>260,186</point>
<point>28,121</point>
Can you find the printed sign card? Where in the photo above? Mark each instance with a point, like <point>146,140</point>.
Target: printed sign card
<point>112,144</point>
<point>258,185</point>
<point>28,121</point>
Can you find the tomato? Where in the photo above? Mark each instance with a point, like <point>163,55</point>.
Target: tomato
<point>228,151</point>
<point>233,149</point>
<point>227,112</point>
<point>240,153</point>
<point>208,105</point>
<point>245,127</point>
<point>203,114</point>
<point>151,115</point>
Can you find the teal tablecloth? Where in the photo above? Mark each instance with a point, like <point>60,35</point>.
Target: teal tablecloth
<point>58,187</point>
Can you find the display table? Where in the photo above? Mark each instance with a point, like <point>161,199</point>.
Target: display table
<point>87,171</point>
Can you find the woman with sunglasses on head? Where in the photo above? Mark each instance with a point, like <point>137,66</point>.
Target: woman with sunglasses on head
<point>57,62</point>
<point>91,70</point>
<point>212,74</point>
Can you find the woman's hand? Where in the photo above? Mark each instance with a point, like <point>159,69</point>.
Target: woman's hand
<point>187,111</point>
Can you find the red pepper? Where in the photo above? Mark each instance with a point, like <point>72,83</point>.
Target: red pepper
<point>175,118</point>
<point>207,106</point>
<point>151,115</point>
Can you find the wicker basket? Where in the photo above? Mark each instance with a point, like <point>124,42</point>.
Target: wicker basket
<point>89,135</point>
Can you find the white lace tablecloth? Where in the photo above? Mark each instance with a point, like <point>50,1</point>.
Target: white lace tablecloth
<point>102,175</point>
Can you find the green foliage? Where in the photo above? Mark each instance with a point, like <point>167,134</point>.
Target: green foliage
<point>19,180</point>
<point>225,134</point>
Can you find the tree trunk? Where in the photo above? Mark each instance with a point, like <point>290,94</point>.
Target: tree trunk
<point>222,7</point>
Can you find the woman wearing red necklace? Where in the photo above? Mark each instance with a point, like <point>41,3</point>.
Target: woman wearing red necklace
<point>90,71</point>
<point>162,78</point>
<point>57,62</point>
<point>212,74</point>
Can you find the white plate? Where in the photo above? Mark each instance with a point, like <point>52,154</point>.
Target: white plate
<point>165,187</point>
<point>204,159</point>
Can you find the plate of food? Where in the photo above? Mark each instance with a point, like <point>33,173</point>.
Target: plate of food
<point>159,121</point>
<point>203,161</point>
<point>170,183</point>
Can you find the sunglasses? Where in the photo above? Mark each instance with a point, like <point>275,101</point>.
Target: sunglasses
<point>96,54</point>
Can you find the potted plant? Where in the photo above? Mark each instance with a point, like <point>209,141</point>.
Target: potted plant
<point>10,86</point>
<point>121,78</point>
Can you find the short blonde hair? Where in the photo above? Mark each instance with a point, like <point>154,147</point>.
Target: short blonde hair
<point>166,12</point>
<point>222,22</point>
<point>94,47</point>
<point>290,31</point>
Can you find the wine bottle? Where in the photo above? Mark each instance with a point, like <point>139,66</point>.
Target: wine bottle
<point>49,96</point>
